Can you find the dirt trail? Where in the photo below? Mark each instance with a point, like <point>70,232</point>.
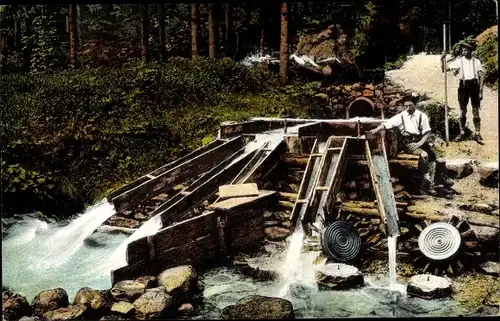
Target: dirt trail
<point>422,73</point>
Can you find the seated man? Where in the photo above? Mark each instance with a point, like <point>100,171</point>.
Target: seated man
<point>414,133</point>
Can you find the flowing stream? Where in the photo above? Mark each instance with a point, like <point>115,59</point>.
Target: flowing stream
<point>392,242</point>
<point>37,256</point>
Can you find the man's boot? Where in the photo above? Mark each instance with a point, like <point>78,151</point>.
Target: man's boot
<point>441,173</point>
<point>477,126</point>
<point>429,178</point>
<point>461,123</point>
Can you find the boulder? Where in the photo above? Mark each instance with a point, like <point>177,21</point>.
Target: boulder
<point>14,306</point>
<point>276,233</point>
<point>123,308</point>
<point>179,281</point>
<point>488,173</point>
<point>72,312</point>
<point>338,276</point>
<point>186,309</point>
<point>94,299</point>
<point>49,300</point>
<point>491,268</point>
<point>429,286</point>
<point>130,290</point>
<point>255,307</point>
<point>155,303</point>
<point>459,168</point>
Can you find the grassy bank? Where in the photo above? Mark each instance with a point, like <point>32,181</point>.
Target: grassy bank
<point>70,137</point>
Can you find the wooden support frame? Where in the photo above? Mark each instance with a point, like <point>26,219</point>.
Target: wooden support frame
<point>165,168</point>
<point>176,175</point>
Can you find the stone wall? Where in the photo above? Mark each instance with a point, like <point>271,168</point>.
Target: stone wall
<point>383,96</point>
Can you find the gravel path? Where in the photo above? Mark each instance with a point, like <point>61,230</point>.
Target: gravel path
<point>422,73</point>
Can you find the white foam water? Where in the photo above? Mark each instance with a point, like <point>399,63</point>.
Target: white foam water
<point>67,240</point>
<point>392,247</point>
<point>28,270</point>
<point>118,258</point>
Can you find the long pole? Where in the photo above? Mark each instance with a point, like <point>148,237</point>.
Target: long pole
<point>449,25</point>
<point>445,89</point>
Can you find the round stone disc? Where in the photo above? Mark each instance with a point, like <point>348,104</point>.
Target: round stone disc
<point>439,241</point>
<point>341,241</point>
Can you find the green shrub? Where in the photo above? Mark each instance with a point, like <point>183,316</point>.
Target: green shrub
<point>70,137</point>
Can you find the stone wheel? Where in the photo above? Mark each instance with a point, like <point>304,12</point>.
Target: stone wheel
<point>444,248</point>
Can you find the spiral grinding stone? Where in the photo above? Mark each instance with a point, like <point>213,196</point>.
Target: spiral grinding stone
<point>341,241</point>
<point>439,241</point>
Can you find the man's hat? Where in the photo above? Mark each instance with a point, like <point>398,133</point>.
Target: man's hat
<point>468,44</point>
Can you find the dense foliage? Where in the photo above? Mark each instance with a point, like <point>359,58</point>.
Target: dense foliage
<point>70,136</point>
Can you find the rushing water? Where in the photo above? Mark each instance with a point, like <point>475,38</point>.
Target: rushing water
<point>118,258</point>
<point>60,246</point>
<point>28,269</point>
<point>223,287</point>
<point>293,270</point>
<point>392,246</point>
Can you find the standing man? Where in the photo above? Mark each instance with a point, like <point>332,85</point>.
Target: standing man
<point>414,133</point>
<point>470,86</point>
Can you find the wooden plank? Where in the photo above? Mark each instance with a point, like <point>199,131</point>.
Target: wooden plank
<point>137,251</point>
<point>194,253</point>
<point>185,158</point>
<point>207,188</point>
<point>197,183</point>
<point>247,235</point>
<point>302,194</point>
<point>250,165</point>
<point>266,166</point>
<point>229,204</point>
<point>312,129</point>
<point>238,190</point>
<point>184,232</point>
<point>231,130</point>
<point>176,175</point>
<point>164,168</point>
<point>237,217</point>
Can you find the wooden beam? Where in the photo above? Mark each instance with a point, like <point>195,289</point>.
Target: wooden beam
<point>204,189</point>
<point>165,168</point>
<point>176,175</point>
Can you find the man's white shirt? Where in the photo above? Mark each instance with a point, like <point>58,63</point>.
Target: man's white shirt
<point>410,122</point>
<point>468,68</point>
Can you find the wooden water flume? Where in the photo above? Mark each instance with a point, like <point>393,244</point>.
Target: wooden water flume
<point>198,227</point>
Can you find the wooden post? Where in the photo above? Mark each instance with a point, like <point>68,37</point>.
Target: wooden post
<point>284,43</point>
<point>72,34</point>
<point>211,30</point>
<point>161,18</point>
<point>194,30</point>
<point>144,33</point>
<point>445,90</point>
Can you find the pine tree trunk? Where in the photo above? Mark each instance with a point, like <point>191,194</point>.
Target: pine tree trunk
<point>229,30</point>
<point>211,31</point>
<point>144,33</point>
<point>72,35</point>
<point>262,22</point>
<point>194,30</point>
<point>161,21</point>
<point>284,43</point>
